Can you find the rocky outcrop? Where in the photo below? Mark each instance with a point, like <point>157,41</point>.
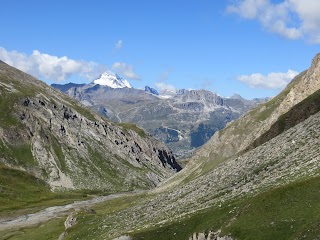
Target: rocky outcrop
<point>69,146</point>
<point>209,236</point>
<point>151,90</point>
<point>294,116</point>
<point>72,220</point>
<point>123,238</point>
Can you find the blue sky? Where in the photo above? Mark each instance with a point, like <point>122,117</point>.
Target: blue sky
<point>250,47</point>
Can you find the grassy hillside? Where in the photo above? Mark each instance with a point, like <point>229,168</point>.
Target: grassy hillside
<point>22,193</point>
<point>288,212</point>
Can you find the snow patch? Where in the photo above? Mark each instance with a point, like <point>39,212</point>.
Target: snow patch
<point>112,80</point>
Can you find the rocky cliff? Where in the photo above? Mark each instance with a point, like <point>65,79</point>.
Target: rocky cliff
<point>45,133</point>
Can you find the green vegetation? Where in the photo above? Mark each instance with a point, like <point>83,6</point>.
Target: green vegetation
<point>184,228</point>
<point>109,172</point>
<point>60,156</point>
<point>10,96</point>
<point>288,212</point>
<point>45,231</point>
<point>94,226</point>
<point>20,154</point>
<point>126,126</point>
<point>7,102</point>
<point>7,119</point>
<point>21,192</point>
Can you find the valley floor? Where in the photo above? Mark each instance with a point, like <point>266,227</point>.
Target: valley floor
<point>28,220</point>
<point>287,212</point>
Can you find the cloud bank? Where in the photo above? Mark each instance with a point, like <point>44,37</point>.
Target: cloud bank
<point>58,69</point>
<point>274,80</point>
<point>51,67</point>
<point>292,19</point>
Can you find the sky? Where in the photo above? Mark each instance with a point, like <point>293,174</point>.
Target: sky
<point>250,47</point>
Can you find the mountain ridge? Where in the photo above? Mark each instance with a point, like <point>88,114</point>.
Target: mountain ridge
<point>70,146</point>
<point>184,121</point>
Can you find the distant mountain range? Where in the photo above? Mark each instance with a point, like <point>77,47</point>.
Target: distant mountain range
<point>183,119</point>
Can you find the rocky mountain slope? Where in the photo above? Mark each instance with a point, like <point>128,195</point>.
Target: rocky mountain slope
<point>269,191</point>
<point>240,134</point>
<point>184,120</point>
<point>52,137</point>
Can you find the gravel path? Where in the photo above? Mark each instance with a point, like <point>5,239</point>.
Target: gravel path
<point>53,212</point>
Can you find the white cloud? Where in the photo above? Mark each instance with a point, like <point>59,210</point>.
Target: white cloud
<point>119,44</point>
<point>165,87</point>
<point>125,70</point>
<point>274,80</point>
<point>51,67</point>
<point>292,19</point>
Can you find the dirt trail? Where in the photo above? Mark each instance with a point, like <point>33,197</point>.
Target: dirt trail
<point>56,211</point>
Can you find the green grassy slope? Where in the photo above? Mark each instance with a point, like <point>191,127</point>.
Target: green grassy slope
<point>288,212</point>
<point>50,230</point>
<point>22,193</point>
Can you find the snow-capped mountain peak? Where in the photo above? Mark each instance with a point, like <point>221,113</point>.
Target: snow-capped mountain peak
<point>112,80</point>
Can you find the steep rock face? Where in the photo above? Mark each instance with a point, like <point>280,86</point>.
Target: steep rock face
<point>44,132</point>
<point>184,120</point>
<point>151,90</point>
<point>294,116</point>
